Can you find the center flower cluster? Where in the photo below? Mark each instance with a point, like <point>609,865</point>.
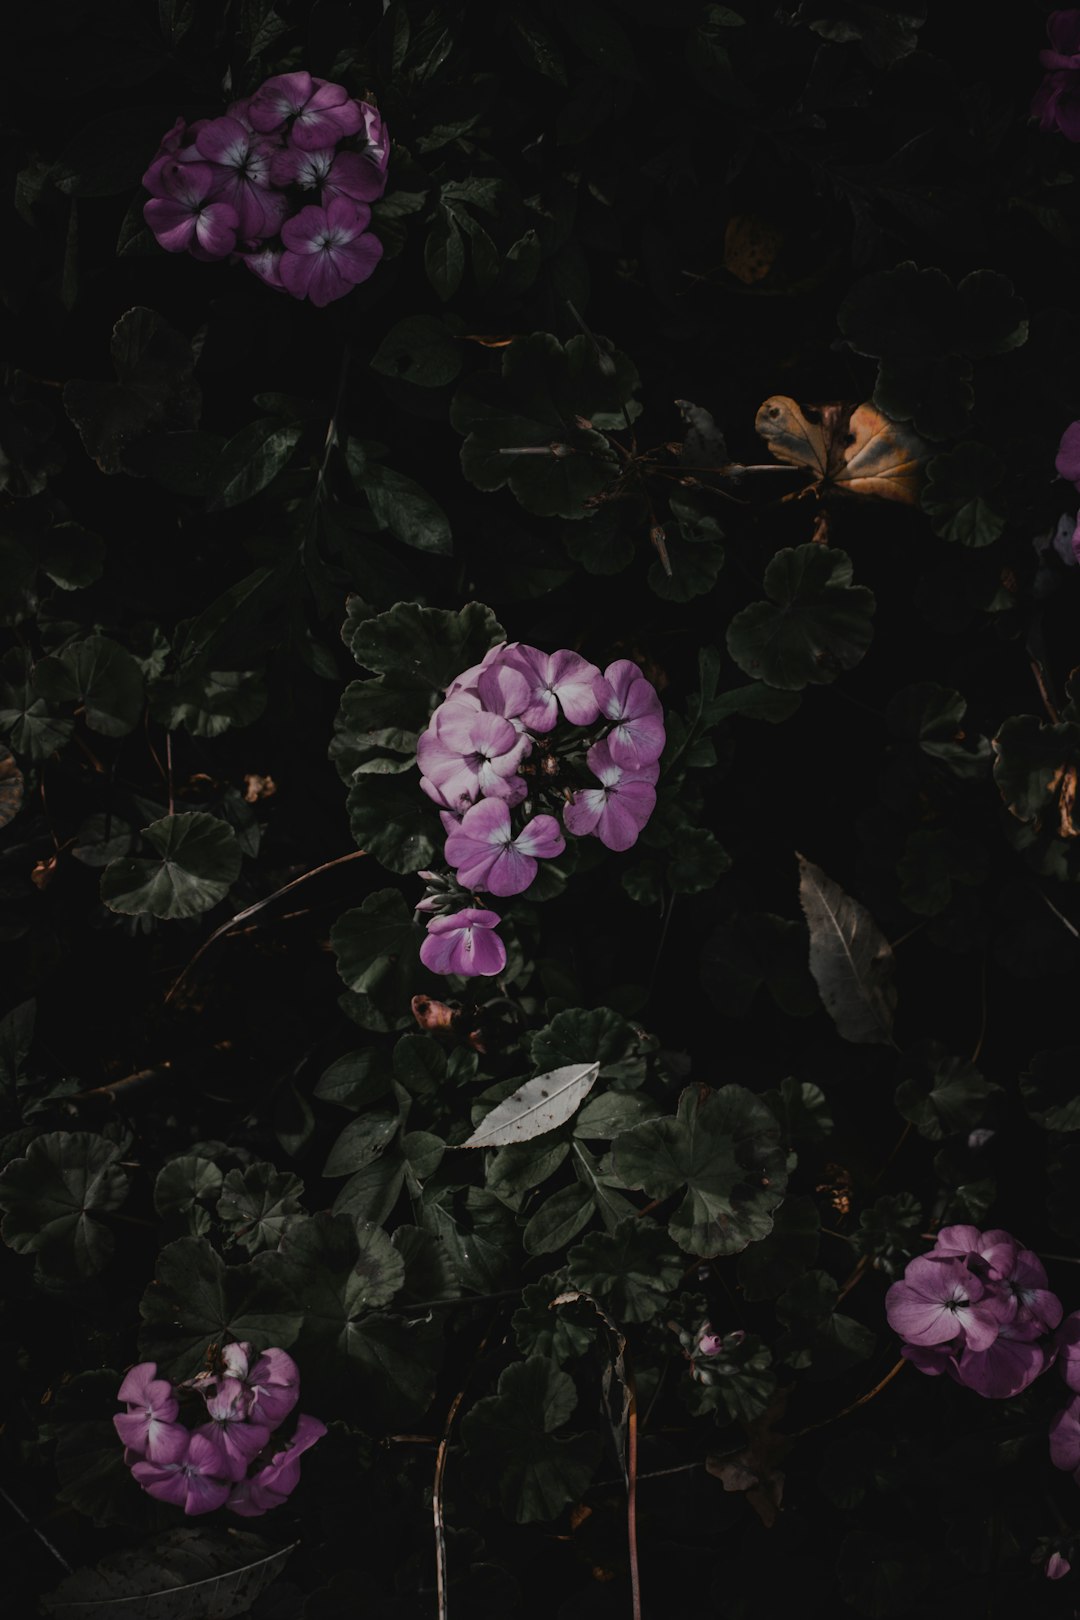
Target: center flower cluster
<point>235,1459</point>
<point>284,182</point>
<point>521,725</point>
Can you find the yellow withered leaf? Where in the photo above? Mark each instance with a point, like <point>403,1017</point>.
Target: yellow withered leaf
<point>853,450</point>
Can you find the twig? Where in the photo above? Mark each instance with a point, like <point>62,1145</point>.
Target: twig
<point>631,1493</point>
<point>1074,931</point>
<point>260,905</point>
<point>332,425</point>
<point>862,1400</point>
<point>130,1082</point>
<point>42,1537</point>
<point>1040,681</point>
<point>662,942</point>
<point>441,1573</point>
<point>985,1010</point>
<point>169,771</point>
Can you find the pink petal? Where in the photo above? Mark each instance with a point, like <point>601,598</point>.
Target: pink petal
<point>541,836</point>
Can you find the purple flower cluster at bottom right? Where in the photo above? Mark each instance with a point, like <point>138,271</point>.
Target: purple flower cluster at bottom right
<point>979,1308</point>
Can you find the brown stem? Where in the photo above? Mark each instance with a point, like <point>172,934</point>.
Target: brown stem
<point>862,1400</point>
<point>260,905</point>
<point>631,1494</point>
<point>441,1572</point>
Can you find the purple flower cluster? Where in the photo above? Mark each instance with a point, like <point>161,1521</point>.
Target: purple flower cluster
<point>1057,100</point>
<point>284,181</point>
<point>523,723</point>
<point>1067,463</point>
<point>977,1307</point>
<point>232,1460</point>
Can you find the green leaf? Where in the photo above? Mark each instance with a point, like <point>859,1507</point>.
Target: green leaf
<point>754,951</point>
<point>514,1451</point>
<point>739,1380</point>
<point>958,494</point>
<point>694,571</point>
<point>421,350</point>
<point>57,1198</point>
<point>559,1219</point>
<point>576,1036</point>
<point>851,960</point>
<point>188,1574</point>
<point>1032,767</point>
<point>212,702</point>
<point>361,1142</point>
<point>376,717</point>
<point>444,254</point>
<point>540,1331</point>
<point>816,625</point>
<point>818,1337</point>
<point>934,859</point>
<point>931,717</point>
<point>184,1190</point>
<point>251,460</point>
<point>258,1205</point>
<point>33,729</point>
<point>885,33</point>
<point>392,820</point>
<point>198,861</point>
<point>377,946</point>
<point>427,647</point>
<point>155,387</point>
<point>533,407</point>
<point>356,1079</point>
<point>402,506</point>
<point>724,1148</point>
<point>197,1300</point>
<point>632,1271</point>
<point>335,1269</point>
<point>73,557</point>
<point>1049,1089</point>
<point>101,676</point>
<point>942,1095</point>
<point>606,1117</point>
<point>767,1268</point>
<point>935,396</point>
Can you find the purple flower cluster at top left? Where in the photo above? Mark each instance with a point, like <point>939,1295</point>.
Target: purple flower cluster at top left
<point>520,725</point>
<point>284,181</point>
<point>235,1459</point>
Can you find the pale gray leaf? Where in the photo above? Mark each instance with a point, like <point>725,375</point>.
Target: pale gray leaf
<point>850,958</point>
<point>541,1104</point>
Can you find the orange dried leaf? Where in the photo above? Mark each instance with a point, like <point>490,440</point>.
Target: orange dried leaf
<point>750,247</point>
<point>853,450</point>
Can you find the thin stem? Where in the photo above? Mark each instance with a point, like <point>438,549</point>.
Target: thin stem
<point>42,1537</point>
<point>169,770</point>
<point>662,941</point>
<point>862,1400</point>
<point>332,425</point>
<point>1073,930</point>
<point>441,1572</point>
<point>984,1014</point>
<point>631,1494</point>
<point>260,905</point>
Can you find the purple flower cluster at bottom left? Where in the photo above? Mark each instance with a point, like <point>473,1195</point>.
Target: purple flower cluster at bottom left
<point>235,1459</point>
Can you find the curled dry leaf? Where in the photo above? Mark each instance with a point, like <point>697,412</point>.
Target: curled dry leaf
<point>435,1014</point>
<point>11,786</point>
<point>750,247</point>
<point>856,451</point>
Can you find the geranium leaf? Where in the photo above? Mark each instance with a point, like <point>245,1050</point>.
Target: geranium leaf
<point>513,1448</point>
<point>102,677</point>
<point>816,625</point>
<point>197,1300</point>
<point>541,1104</point>
<point>56,1200</point>
<point>724,1148</point>
<point>198,861</point>
<point>850,959</point>
<point>188,1574</point>
<point>632,1270</point>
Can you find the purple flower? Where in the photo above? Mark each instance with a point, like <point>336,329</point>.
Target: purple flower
<point>501,689</point>
<point>152,1409</point>
<point>468,679</point>
<point>376,150</point>
<point>189,1478</point>
<point>465,944</point>
<point>557,680</point>
<point>627,698</point>
<point>353,174</point>
<point>466,752</point>
<point>292,166</point>
<point>328,251</point>
<point>1067,1340</point>
<point>618,809</point>
<point>273,1485</point>
<point>488,856</point>
<point>274,1385</point>
<point>188,216</point>
<point>235,1439</point>
<point>1063,30</point>
<point>241,163</point>
<point>1056,1566</point>
<point>1065,1436</point>
<point>710,1343</point>
<point>1067,460</point>
<point>939,1298</point>
<point>1008,1366</point>
<point>266,263</point>
<point>322,114</point>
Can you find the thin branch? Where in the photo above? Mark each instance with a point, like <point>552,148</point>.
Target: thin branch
<point>1040,681</point>
<point>984,1010</point>
<point>631,1493</point>
<point>862,1400</point>
<point>260,905</point>
<point>441,1571</point>
<point>169,771</point>
<point>42,1537</point>
<point>130,1082</point>
<point>1073,930</point>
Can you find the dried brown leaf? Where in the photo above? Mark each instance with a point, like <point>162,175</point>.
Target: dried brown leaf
<point>850,450</point>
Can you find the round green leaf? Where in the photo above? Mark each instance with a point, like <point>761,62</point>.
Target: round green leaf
<point>198,861</point>
<point>632,1270</point>
<point>56,1198</point>
<point>816,624</point>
